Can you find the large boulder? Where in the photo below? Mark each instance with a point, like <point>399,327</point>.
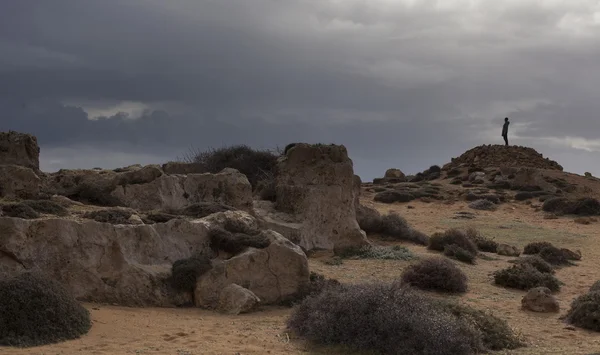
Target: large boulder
<point>229,187</point>
<point>394,173</point>
<point>19,149</point>
<point>540,299</point>
<point>18,182</point>
<point>99,262</point>
<point>315,183</point>
<point>235,299</point>
<point>274,274</point>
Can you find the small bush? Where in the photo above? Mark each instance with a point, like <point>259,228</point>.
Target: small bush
<point>585,207</point>
<point>251,162</point>
<point>536,262</point>
<point>554,256</point>
<point>112,216</point>
<point>536,247</point>
<point>483,244</point>
<point>46,206</point>
<point>97,193</point>
<point>185,272</point>
<point>19,210</point>
<point>378,252</point>
<point>393,196</point>
<point>396,227</point>
<point>317,283</point>
<point>36,310</point>
<point>525,277</point>
<point>585,311</point>
<point>483,205</point>
<point>595,287</point>
<point>436,274</point>
<point>382,318</point>
<point>160,217</point>
<point>369,219</point>
<point>221,239</point>
<point>202,209</point>
<point>452,236</point>
<point>458,253</point>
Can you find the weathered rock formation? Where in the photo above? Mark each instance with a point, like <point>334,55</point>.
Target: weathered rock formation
<point>540,299</point>
<point>316,188</point>
<point>18,182</point>
<point>235,299</point>
<point>19,149</point>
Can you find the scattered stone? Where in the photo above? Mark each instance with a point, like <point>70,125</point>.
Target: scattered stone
<point>235,299</point>
<point>508,250</point>
<point>540,299</point>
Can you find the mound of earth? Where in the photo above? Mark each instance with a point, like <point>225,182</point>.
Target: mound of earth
<point>486,156</point>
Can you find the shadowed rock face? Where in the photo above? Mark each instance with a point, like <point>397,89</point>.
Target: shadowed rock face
<point>19,149</point>
<point>316,184</point>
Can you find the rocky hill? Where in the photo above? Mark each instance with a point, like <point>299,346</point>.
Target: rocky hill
<point>497,156</point>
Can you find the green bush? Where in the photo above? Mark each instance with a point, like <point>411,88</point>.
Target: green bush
<point>19,210</point>
<point>458,253</point>
<point>585,311</point>
<point>395,226</point>
<point>47,207</point>
<point>369,219</point>
<point>185,272</point>
<point>525,277</point>
<point>436,274</point>
<point>378,252</point>
<point>36,310</point>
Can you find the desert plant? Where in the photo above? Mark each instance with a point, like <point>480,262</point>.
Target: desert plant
<point>378,252</point>
<point>482,243</point>
<point>537,262</point>
<point>452,236</point>
<point>585,311</point>
<point>255,164</point>
<point>36,310</point>
<point>160,217</point>
<point>483,205</point>
<point>585,207</point>
<point>369,219</point>
<point>458,253</point>
<point>317,283</point>
<point>46,206</point>
<point>19,210</point>
<point>395,226</point>
<point>536,247</point>
<point>112,216</point>
<point>185,272</point>
<point>235,243</point>
<point>554,256</point>
<point>525,277</point>
<point>437,274</point>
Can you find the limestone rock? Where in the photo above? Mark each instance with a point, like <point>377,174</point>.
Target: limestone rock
<point>180,168</point>
<point>135,219</point>
<point>99,262</point>
<point>357,183</point>
<point>273,274</point>
<point>316,183</point>
<point>65,201</point>
<point>508,250</point>
<point>540,299</point>
<point>229,187</point>
<point>394,173</point>
<point>19,149</point>
<point>235,299</point>
<point>283,223</point>
<point>143,175</point>
<point>18,182</point>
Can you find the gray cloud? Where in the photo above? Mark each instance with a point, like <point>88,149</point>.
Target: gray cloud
<point>400,83</point>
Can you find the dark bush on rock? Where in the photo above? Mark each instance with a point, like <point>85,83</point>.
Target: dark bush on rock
<point>536,247</point>
<point>436,274</point>
<point>392,319</point>
<point>537,262</point>
<point>185,272</point>
<point>266,190</point>
<point>554,256</point>
<point>483,205</point>
<point>525,277</point>
<point>458,253</point>
<point>19,210</point>
<point>395,226</point>
<point>585,207</point>
<point>36,310</point>
<point>46,206</point>
<point>112,216</point>
<point>251,162</point>
<point>585,311</point>
<point>203,209</point>
<point>160,217</point>
<point>221,239</point>
<point>369,219</point>
<point>234,225</point>
<point>452,236</point>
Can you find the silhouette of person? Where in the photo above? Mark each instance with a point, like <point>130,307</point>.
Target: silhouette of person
<point>505,131</point>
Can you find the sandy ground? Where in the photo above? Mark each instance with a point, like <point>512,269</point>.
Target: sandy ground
<point>118,330</point>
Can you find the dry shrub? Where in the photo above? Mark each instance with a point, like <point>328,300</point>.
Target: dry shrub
<point>452,236</point>
<point>554,256</point>
<point>96,193</point>
<point>537,262</point>
<point>236,225</point>
<point>36,310</point>
<point>112,216</point>
<point>458,253</point>
<point>317,283</point>
<point>19,210</point>
<point>585,311</point>
<point>482,243</point>
<point>525,277</point>
<point>583,220</point>
<point>536,247</point>
<point>378,252</point>
<point>160,217</point>
<point>395,226</point>
<point>386,319</point>
<point>483,205</point>
<point>369,219</point>
<point>436,274</point>
<point>46,206</point>
<point>235,243</point>
<point>185,272</point>
<point>393,196</point>
<point>254,163</point>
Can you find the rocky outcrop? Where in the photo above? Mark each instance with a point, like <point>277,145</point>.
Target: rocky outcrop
<point>180,168</point>
<point>121,264</point>
<point>485,156</point>
<point>235,299</point>
<point>19,149</point>
<point>315,184</point>
<point>540,299</point>
<point>18,182</point>
<point>274,274</point>
<point>394,173</point>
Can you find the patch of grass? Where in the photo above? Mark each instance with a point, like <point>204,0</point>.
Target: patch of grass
<point>483,244</point>
<point>335,261</point>
<point>47,207</point>
<point>436,274</point>
<point>36,310</point>
<point>554,256</point>
<point>585,311</point>
<point>525,277</point>
<point>185,272</point>
<point>19,210</point>
<point>379,252</point>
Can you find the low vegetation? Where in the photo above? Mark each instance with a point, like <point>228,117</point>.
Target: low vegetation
<point>379,252</point>
<point>554,256</point>
<point>112,216</point>
<point>458,253</point>
<point>185,272</point>
<point>454,243</point>
<point>483,244</point>
<point>46,207</point>
<point>384,318</point>
<point>585,311</point>
<point>235,243</point>
<point>436,274</point>
<point>36,310</point>
<point>536,247</point>
<point>524,277</point>
<point>19,210</point>
<point>392,226</point>
<point>201,209</point>
<point>317,284</point>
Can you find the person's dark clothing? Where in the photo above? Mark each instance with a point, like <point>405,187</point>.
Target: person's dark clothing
<point>505,132</point>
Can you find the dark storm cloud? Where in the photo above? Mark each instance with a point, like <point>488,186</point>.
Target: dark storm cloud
<point>401,83</point>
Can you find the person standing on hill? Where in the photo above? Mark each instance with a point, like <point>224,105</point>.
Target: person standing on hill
<point>505,131</point>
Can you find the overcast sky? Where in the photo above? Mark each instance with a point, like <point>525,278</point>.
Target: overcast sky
<point>401,83</point>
